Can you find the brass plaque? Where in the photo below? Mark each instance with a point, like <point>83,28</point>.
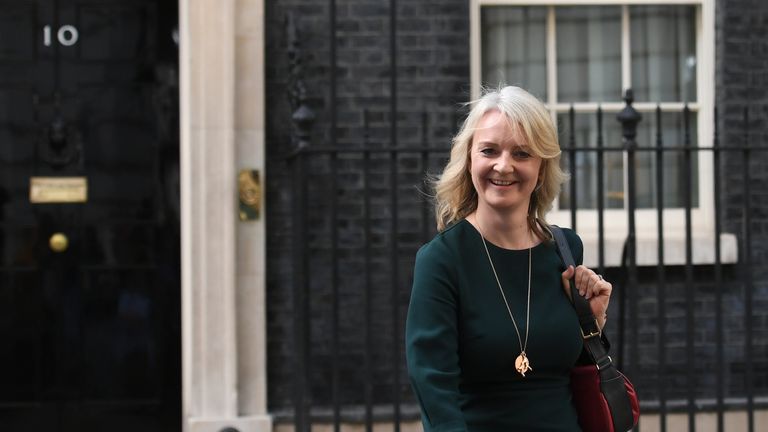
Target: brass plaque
<point>46,190</point>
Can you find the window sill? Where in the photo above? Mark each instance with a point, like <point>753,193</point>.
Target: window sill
<point>703,249</point>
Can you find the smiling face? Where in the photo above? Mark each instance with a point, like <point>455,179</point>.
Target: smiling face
<point>503,170</point>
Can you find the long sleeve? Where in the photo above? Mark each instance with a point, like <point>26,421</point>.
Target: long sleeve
<point>431,338</point>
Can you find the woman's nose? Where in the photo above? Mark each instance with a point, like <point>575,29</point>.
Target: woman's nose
<point>505,164</point>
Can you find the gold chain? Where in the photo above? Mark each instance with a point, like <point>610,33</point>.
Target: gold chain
<point>522,363</point>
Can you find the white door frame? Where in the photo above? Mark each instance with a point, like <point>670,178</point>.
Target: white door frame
<point>223,259</point>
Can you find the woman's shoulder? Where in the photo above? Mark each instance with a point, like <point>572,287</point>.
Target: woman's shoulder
<point>571,236</point>
<point>444,244</point>
<point>574,242</point>
<point>569,233</point>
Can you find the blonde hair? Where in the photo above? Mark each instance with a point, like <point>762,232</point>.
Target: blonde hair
<point>455,195</point>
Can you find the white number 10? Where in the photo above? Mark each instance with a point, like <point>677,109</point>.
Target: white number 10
<point>67,35</point>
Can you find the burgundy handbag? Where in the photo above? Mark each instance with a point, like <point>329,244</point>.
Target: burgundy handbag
<point>605,399</point>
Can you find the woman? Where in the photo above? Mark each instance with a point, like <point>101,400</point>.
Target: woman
<point>491,334</point>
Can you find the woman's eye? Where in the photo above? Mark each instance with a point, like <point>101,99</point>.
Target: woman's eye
<point>487,151</point>
<point>520,154</point>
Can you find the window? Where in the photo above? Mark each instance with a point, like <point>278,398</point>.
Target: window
<point>583,55</point>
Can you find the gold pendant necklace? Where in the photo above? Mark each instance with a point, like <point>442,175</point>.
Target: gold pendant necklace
<point>522,364</point>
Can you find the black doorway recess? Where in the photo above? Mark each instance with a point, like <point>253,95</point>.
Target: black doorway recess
<point>89,216</point>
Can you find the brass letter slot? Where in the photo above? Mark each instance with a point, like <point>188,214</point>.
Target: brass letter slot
<point>250,194</point>
<point>47,190</point>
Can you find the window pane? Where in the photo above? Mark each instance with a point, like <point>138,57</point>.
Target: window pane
<point>588,53</point>
<point>584,171</point>
<point>514,47</point>
<point>663,40</point>
<point>672,135</point>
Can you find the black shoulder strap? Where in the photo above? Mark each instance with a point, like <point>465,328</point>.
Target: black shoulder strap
<point>586,318</point>
<point>613,388</point>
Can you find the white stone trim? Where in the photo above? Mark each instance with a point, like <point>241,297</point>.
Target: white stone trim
<point>223,275</point>
<point>702,249</point>
<point>208,255</point>
<point>242,424</point>
<point>251,235</point>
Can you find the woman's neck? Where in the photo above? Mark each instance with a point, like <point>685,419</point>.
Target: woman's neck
<point>506,230</point>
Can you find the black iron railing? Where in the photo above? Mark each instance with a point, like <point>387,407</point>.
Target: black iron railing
<point>361,213</point>
<point>683,332</point>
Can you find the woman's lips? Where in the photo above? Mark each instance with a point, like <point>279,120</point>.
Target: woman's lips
<point>502,182</point>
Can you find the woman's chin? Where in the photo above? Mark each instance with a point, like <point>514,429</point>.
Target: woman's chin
<point>507,205</point>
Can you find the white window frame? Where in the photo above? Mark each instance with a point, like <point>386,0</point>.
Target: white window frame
<point>616,220</point>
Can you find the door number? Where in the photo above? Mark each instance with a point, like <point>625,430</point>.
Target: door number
<point>67,35</point>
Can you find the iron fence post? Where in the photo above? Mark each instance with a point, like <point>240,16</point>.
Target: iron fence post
<point>746,273</point>
<point>302,119</point>
<point>629,118</point>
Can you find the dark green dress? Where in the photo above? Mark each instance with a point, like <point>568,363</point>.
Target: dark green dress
<point>461,345</point>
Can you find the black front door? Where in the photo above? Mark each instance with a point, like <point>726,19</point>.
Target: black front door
<point>89,216</point>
